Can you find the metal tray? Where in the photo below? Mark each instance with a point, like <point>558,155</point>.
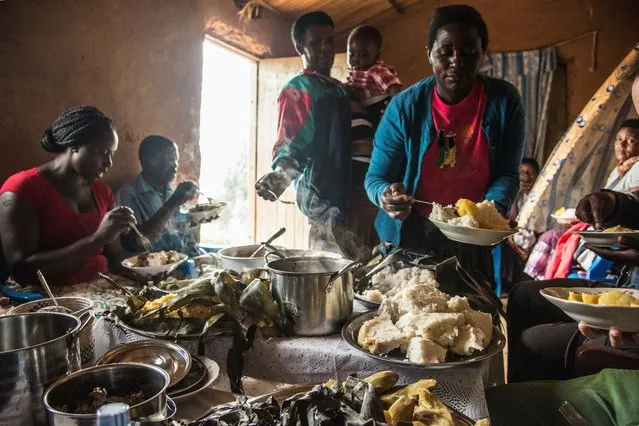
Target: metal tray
<point>351,331</point>
<point>212,371</point>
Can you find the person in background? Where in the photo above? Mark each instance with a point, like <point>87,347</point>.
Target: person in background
<point>573,258</point>
<point>456,134</point>
<point>60,217</point>
<point>370,81</point>
<point>542,340</point>
<point>155,204</point>
<point>313,145</point>
<point>528,174</point>
<point>516,248</point>
<point>625,176</point>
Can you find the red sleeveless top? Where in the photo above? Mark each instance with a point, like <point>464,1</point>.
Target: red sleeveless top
<point>60,226</point>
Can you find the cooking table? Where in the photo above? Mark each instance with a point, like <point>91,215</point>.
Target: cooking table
<point>275,362</point>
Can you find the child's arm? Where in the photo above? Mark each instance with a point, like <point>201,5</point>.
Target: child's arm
<point>394,89</point>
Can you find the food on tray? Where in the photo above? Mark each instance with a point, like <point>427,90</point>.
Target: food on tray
<point>388,282</point>
<point>471,215</point>
<point>425,324</point>
<point>608,298</point>
<point>99,397</point>
<point>373,400</point>
<point>192,310</point>
<point>159,258</point>
<point>618,229</point>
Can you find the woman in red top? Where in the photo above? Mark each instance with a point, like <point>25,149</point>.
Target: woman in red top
<point>60,217</point>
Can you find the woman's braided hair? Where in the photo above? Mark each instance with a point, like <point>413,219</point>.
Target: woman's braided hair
<point>75,127</point>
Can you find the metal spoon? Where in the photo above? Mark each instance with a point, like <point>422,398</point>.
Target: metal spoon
<point>146,243</point>
<point>58,308</point>
<point>269,241</point>
<point>423,202</point>
<point>134,301</point>
<point>277,199</point>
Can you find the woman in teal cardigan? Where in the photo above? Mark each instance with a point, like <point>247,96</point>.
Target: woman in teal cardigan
<point>453,135</point>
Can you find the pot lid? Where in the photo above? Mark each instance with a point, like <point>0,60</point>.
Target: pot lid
<point>168,356</point>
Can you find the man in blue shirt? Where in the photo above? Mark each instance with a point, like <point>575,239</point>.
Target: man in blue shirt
<point>155,204</point>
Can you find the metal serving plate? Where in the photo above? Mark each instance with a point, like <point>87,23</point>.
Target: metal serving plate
<point>195,377</point>
<point>351,331</point>
<point>212,373</point>
<point>170,333</point>
<point>172,358</point>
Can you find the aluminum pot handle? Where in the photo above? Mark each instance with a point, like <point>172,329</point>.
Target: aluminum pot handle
<point>346,269</point>
<point>86,320</point>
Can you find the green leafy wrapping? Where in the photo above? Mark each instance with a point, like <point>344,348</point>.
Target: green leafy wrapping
<point>322,406</point>
<point>242,413</point>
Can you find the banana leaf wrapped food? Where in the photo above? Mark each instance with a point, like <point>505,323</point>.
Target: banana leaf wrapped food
<point>374,400</point>
<point>218,302</point>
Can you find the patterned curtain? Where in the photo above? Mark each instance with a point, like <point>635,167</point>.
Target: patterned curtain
<point>583,157</point>
<point>531,72</point>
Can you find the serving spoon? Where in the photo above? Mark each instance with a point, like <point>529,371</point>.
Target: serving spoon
<point>57,307</point>
<point>269,241</point>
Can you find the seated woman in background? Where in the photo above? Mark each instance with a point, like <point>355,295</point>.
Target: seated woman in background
<point>516,248</point>
<point>155,204</point>
<point>572,258</point>
<point>60,218</point>
<point>528,174</point>
<point>625,176</point>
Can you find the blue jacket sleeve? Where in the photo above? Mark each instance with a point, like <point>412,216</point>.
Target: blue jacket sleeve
<point>505,184</point>
<point>389,152</point>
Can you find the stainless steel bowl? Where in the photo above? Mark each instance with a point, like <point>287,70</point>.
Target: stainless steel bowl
<point>118,379</point>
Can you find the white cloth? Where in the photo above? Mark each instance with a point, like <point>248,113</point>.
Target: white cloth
<point>303,360</point>
<point>625,183</point>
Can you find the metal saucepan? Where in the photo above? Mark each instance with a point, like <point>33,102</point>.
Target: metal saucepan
<point>35,350</point>
<point>317,292</point>
<point>117,379</point>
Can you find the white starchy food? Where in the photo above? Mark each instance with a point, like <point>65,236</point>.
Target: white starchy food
<point>421,298</point>
<point>389,307</point>
<point>442,328</point>
<point>469,341</point>
<point>458,304</point>
<point>482,321</point>
<point>425,351</point>
<point>424,323</point>
<point>490,218</point>
<point>467,221</point>
<point>389,282</point>
<point>442,214</point>
<point>373,296</point>
<point>380,336</point>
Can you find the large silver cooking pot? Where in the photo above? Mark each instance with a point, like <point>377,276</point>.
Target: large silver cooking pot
<point>317,292</point>
<point>118,379</point>
<point>35,350</point>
